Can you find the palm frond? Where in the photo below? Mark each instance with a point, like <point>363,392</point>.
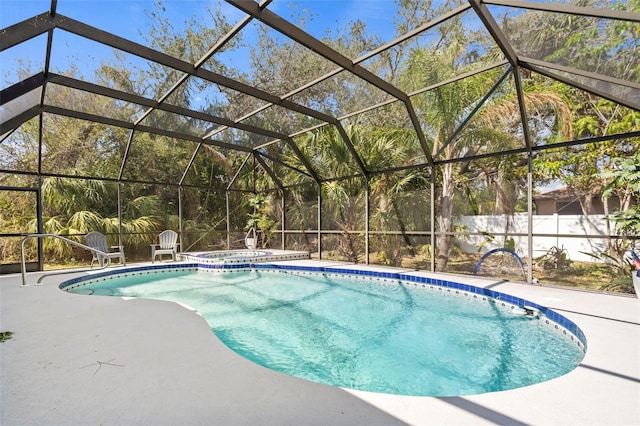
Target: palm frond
<point>85,221</point>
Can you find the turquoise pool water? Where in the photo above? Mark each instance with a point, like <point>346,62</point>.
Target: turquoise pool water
<point>375,336</point>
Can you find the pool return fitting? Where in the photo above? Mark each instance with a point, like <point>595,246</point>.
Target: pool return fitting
<point>526,311</point>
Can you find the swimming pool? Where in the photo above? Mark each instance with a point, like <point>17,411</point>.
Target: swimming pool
<point>379,332</point>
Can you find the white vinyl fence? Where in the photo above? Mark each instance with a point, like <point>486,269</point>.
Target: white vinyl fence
<point>574,233</point>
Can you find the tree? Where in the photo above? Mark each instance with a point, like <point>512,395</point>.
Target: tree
<point>607,47</point>
<point>260,220</point>
<point>73,207</point>
<point>624,182</point>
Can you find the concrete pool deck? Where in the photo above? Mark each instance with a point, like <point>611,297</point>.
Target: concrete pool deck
<point>76,359</point>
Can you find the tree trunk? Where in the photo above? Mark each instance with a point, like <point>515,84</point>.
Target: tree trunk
<point>446,218</point>
<point>587,206</point>
<point>503,189</point>
<point>403,228</point>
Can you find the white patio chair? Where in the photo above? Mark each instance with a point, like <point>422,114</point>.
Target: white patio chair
<point>97,240</point>
<point>168,245</point>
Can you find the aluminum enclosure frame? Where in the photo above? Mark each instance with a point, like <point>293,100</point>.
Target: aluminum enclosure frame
<point>51,21</point>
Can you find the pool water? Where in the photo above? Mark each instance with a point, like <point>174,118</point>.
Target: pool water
<point>360,334</point>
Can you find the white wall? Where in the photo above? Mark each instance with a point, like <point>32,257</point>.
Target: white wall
<point>579,225</point>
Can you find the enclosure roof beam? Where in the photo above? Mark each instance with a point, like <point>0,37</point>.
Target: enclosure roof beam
<point>621,15</point>
<point>127,125</point>
<point>28,29</point>
<point>363,58</point>
<point>418,129</point>
<point>128,97</point>
<point>282,163</point>
<point>417,92</point>
<point>587,74</point>
<point>537,148</point>
<point>227,37</point>
<point>494,29</point>
<point>184,136</point>
<point>540,148</point>
<point>221,121</point>
<point>341,178</point>
<point>19,119</point>
<point>305,161</point>
<point>352,150</point>
<point>266,168</point>
<point>117,42</point>
<point>603,94</point>
<point>21,88</point>
<point>85,86</point>
<point>382,48</point>
<point>312,128</point>
<point>86,116</point>
<point>413,33</point>
<point>524,116</point>
<point>479,105</point>
<point>99,178</point>
<point>233,179</point>
<point>288,29</point>
<point>200,62</point>
<point>459,77</point>
<point>128,46</point>
<point>262,95</point>
<point>347,141</point>
<point>191,160</point>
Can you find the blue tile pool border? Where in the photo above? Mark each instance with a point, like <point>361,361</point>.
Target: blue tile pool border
<point>551,317</point>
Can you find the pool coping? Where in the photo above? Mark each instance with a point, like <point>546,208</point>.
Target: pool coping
<point>79,360</point>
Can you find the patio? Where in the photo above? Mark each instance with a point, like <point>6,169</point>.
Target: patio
<point>75,359</point>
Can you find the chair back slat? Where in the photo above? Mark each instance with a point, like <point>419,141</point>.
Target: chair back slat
<point>97,241</point>
<point>168,239</point>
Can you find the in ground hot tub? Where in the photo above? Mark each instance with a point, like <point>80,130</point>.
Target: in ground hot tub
<point>219,258</point>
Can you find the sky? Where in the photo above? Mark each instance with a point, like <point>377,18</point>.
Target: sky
<point>124,14</point>
<point>127,18</point>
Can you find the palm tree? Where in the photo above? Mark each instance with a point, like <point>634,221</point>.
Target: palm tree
<point>73,207</point>
<point>379,149</point>
<point>495,127</point>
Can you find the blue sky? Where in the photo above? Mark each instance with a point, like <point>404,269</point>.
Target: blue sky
<point>127,18</point>
<point>122,13</point>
